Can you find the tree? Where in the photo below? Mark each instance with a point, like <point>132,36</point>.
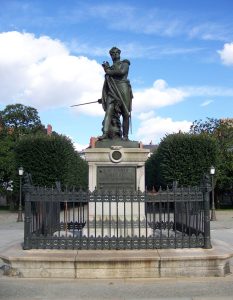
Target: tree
<point>182,157</point>
<point>15,120</point>
<point>222,131</point>
<point>7,162</point>
<point>151,172</point>
<point>23,142</point>
<point>209,126</point>
<point>50,159</point>
<point>18,119</point>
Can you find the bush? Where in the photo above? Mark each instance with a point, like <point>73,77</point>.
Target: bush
<point>50,159</point>
<point>181,157</point>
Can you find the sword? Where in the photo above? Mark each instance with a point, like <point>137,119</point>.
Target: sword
<point>98,101</point>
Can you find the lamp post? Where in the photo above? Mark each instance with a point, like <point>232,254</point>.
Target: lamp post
<point>213,215</point>
<point>20,217</point>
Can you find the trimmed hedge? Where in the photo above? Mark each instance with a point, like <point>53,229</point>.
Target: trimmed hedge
<point>50,159</point>
<point>181,157</point>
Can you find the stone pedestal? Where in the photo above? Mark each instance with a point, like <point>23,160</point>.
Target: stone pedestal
<point>115,167</point>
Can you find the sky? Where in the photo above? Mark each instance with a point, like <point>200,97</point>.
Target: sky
<point>181,55</point>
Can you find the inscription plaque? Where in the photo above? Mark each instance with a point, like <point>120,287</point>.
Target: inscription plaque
<point>113,178</point>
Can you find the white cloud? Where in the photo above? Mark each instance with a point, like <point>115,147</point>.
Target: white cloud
<point>159,95</point>
<point>40,72</point>
<point>211,31</point>
<point>135,19</point>
<point>79,147</point>
<point>206,103</point>
<point>152,21</point>
<point>226,54</point>
<point>155,128</point>
<point>143,50</point>
<point>209,91</point>
<point>24,48</point>
<point>145,116</point>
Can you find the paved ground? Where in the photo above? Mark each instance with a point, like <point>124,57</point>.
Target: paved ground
<point>185,289</point>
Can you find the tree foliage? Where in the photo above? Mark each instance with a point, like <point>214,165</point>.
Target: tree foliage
<point>182,157</point>
<point>151,171</point>
<point>222,131</point>
<point>23,142</point>
<point>208,126</point>
<point>7,161</point>
<point>18,119</point>
<point>50,159</point>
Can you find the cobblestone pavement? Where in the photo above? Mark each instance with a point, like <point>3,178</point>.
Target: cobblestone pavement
<point>11,288</point>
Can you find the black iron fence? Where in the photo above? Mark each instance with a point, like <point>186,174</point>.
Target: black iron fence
<point>172,218</point>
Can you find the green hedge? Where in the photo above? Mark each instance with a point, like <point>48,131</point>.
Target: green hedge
<point>181,157</point>
<point>50,159</point>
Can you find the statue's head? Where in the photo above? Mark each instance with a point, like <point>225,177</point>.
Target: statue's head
<point>114,49</point>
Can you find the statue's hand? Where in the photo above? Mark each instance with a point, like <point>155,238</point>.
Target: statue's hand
<point>105,65</point>
<point>108,71</point>
<point>100,101</point>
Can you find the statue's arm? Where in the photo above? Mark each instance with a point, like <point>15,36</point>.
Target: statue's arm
<point>122,70</point>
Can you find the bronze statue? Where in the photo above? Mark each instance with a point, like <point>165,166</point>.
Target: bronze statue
<point>116,98</point>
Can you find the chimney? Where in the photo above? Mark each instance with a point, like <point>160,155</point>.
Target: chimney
<point>49,129</point>
<point>93,141</point>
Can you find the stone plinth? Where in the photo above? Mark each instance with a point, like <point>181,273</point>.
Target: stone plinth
<point>116,167</point>
<point>126,162</point>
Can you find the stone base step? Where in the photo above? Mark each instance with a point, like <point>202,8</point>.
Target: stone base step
<point>105,264</point>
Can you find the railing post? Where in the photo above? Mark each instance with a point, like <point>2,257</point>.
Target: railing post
<point>206,190</point>
<point>27,221</point>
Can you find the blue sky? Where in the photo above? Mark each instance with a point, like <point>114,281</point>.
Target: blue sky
<point>181,55</point>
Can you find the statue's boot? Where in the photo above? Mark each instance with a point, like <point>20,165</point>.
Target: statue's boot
<point>103,136</point>
<point>125,126</point>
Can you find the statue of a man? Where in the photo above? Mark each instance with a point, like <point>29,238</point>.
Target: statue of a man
<point>116,97</point>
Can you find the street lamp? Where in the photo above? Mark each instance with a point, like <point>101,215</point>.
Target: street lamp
<point>20,218</point>
<point>213,215</point>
